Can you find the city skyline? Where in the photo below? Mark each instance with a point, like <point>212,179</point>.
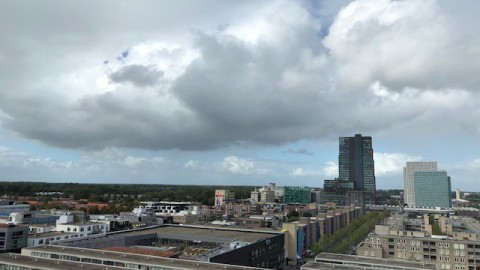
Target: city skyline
<point>218,93</point>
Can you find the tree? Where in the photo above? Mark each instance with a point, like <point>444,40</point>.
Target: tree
<point>292,216</point>
<point>342,240</point>
<point>93,210</point>
<point>392,201</point>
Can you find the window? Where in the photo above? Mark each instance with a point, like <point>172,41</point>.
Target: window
<point>108,262</point>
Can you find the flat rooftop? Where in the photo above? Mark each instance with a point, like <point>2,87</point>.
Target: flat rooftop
<point>145,251</point>
<point>49,234</point>
<point>40,225</point>
<point>208,234</point>
<point>165,203</point>
<point>328,266</point>
<point>42,263</point>
<point>133,258</point>
<point>385,263</point>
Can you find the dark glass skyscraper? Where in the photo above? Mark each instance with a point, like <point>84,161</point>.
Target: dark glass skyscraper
<point>355,164</point>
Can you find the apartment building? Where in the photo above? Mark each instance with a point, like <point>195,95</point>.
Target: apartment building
<point>301,235</point>
<point>407,239</point>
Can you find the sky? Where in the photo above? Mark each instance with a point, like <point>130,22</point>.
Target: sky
<point>236,92</point>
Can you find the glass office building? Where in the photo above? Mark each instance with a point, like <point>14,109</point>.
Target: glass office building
<point>297,195</point>
<point>336,191</point>
<point>355,164</point>
<point>432,189</point>
<point>408,172</point>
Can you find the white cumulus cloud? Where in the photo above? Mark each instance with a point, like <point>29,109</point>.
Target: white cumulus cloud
<point>330,169</point>
<point>391,163</point>
<point>237,165</point>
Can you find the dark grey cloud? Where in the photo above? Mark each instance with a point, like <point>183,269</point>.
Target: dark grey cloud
<point>137,74</point>
<point>300,151</point>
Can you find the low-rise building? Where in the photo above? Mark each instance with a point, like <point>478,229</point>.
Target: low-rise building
<point>23,262</point>
<point>301,235</point>
<point>223,196</point>
<point>227,245</point>
<point>341,261</point>
<point>84,229</point>
<point>13,237</point>
<point>173,212</point>
<point>9,206</point>
<point>50,238</point>
<point>76,258</point>
<point>31,218</point>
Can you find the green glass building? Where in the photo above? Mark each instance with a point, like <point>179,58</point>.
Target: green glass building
<point>432,189</point>
<point>297,195</point>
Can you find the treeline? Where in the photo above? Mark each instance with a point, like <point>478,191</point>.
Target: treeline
<point>105,192</point>
<point>383,196</point>
<point>343,240</point>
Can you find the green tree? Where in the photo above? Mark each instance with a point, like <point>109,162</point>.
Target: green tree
<point>292,216</point>
<point>343,239</point>
<point>93,210</point>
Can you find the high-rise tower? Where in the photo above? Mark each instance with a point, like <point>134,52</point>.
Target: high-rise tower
<point>355,164</point>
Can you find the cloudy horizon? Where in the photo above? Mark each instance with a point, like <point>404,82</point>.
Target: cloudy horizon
<point>236,93</point>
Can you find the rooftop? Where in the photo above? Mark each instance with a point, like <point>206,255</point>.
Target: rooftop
<point>42,263</point>
<point>144,251</point>
<point>49,234</point>
<point>41,225</point>
<point>385,263</point>
<point>209,234</point>
<point>134,258</point>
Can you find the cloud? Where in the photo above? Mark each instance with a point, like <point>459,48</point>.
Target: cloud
<point>472,165</point>
<point>133,161</point>
<point>139,75</point>
<point>300,151</point>
<point>253,74</point>
<point>330,170</point>
<point>191,164</point>
<point>237,165</point>
<point>392,163</point>
<point>13,158</point>
<point>301,172</point>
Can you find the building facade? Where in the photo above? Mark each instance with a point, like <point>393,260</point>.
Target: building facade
<point>297,195</point>
<point>408,177</point>
<point>356,164</point>
<point>49,257</point>
<point>342,261</point>
<point>13,237</point>
<point>336,191</point>
<point>223,196</point>
<point>8,206</point>
<point>432,189</point>
<point>301,235</point>
<point>407,239</point>
<point>234,246</point>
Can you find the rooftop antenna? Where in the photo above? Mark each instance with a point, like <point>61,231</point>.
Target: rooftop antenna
<point>358,126</point>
